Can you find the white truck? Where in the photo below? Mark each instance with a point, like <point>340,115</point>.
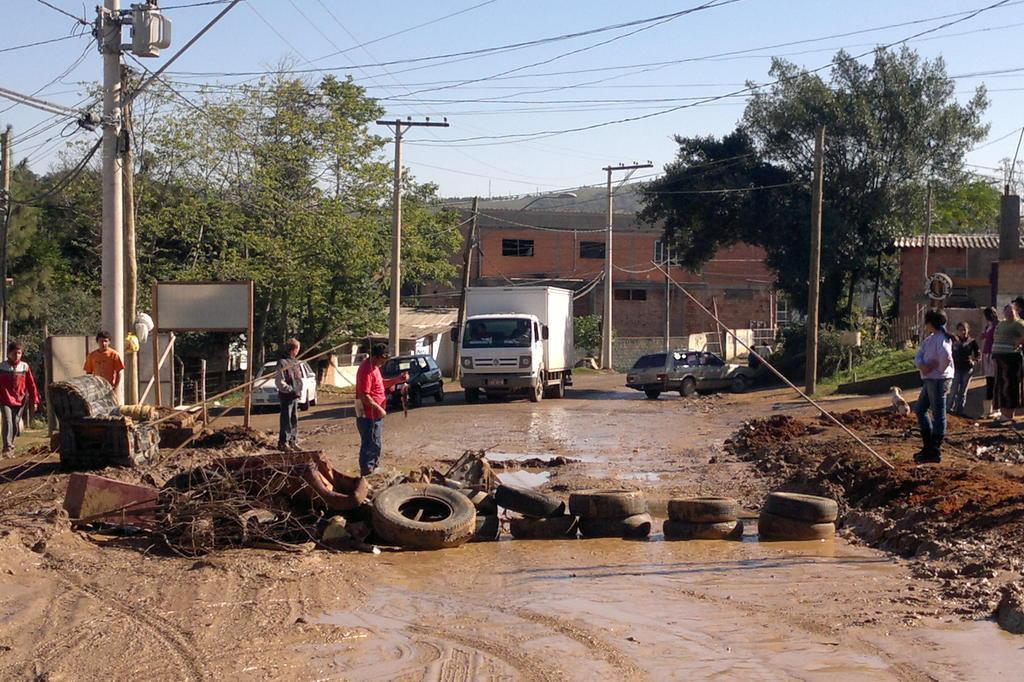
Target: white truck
<point>516,339</point>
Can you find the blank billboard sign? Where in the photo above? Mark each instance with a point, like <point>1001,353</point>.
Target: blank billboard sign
<point>203,306</point>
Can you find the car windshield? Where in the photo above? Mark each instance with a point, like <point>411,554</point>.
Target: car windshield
<point>648,361</point>
<point>396,366</point>
<point>497,333</point>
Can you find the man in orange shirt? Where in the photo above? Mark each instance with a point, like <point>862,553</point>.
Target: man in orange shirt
<point>105,361</point>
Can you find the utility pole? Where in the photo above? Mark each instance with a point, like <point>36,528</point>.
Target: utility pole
<point>467,259</point>
<point>108,33</point>
<point>5,217</point>
<point>131,291</point>
<point>814,278</point>
<point>668,298</point>
<point>399,126</point>
<point>606,325</point>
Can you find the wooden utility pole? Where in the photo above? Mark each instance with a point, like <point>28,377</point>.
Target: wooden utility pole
<point>5,222</point>
<point>399,126</point>
<point>131,290</point>
<point>814,277</point>
<point>467,259</point>
<point>668,299</point>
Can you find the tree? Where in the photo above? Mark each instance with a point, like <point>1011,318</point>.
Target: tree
<point>890,127</point>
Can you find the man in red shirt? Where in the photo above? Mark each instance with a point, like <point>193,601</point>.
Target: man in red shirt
<point>17,389</point>
<point>371,398</point>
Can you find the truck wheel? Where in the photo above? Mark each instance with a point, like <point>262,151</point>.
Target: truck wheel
<point>423,516</point>
<point>472,395</point>
<point>688,387</point>
<point>537,392</point>
<point>556,391</point>
<point>652,393</point>
<point>739,384</point>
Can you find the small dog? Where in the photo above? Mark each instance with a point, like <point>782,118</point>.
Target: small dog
<point>899,405</point>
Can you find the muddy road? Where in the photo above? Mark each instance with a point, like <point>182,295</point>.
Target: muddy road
<point>79,605</point>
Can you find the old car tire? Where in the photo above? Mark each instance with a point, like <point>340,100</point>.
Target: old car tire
<point>528,502</point>
<point>703,509</point>
<point>488,528</point>
<point>484,502</point>
<point>439,396</point>
<point>607,504</point>
<point>448,517</point>
<point>633,527</point>
<point>472,395</point>
<point>740,384</point>
<point>809,508</point>
<point>688,387</point>
<point>652,394</point>
<point>552,528</point>
<point>685,530</point>
<point>773,527</point>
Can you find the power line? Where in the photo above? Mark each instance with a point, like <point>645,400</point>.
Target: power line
<point>40,42</point>
<point>80,20</point>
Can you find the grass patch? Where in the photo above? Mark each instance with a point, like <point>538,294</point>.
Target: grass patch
<point>890,362</point>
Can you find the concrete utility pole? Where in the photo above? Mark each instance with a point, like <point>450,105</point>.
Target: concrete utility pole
<point>606,323</point>
<point>467,259</point>
<point>108,33</point>
<point>814,277</point>
<point>131,289</point>
<point>668,299</point>
<point>5,221</point>
<point>399,126</point>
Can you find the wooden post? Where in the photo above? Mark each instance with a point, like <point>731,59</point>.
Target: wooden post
<point>249,360</point>
<point>814,276</point>
<point>51,419</point>
<point>202,380</point>
<point>157,397</point>
<point>467,256</point>
<point>131,291</point>
<point>721,333</point>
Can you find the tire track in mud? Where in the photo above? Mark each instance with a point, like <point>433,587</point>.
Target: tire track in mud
<point>526,667</point>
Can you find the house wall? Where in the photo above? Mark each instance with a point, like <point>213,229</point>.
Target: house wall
<point>969,269</point>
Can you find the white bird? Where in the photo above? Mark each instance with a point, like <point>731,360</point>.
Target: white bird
<point>899,404</point>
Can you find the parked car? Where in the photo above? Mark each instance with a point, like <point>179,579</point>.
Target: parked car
<point>687,372</point>
<point>424,378</point>
<point>264,390</point>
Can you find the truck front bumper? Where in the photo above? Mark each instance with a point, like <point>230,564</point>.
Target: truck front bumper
<point>499,383</point>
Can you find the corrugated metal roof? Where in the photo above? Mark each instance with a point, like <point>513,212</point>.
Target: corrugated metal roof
<point>415,323</point>
<point>951,241</point>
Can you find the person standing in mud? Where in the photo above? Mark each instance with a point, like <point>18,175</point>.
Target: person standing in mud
<point>965,355</point>
<point>988,366</point>
<point>1006,344</point>
<point>371,398</point>
<point>17,391</point>
<point>288,381</point>
<point>934,360</point>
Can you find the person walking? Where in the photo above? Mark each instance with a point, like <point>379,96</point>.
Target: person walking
<point>17,389</point>
<point>288,381</point>
<point>965,356</point>
<point>934,360</point>
<point>371,398</point>
<point>988,366</point>
<point>1006,343</point>
<point>105,361</point>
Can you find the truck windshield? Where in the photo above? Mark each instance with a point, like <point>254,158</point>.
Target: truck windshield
<point>497,333</point>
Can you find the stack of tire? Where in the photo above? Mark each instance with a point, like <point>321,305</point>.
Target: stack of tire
<point>792,516</point>
<point>611,513</point>
<point>488,528</point>
<point>703,518</point>
<point>542,516</point>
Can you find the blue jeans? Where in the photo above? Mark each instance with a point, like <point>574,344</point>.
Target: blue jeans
<point>371,432</point>
<point>961,382</point>
<point>933,397</point>
<point>289,423</point>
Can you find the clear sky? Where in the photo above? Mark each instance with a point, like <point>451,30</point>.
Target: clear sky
<point>532,96</point>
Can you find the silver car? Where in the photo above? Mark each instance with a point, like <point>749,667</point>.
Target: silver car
<point>686,372</point>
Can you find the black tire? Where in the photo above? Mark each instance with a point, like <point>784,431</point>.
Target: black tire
<point>415,398</point>
<point>439,396</point>
<point>634,527</point>
<point>537,392</point>
<point>557,391</point>
<point>740,384</point>
<point>703,509</point>
<point>472,395</point>
<point>809,508</point>
<point>607,504</point>
<point>488,528</point>
<point>683,530</point>
<point>773,527</point>
<point>688,387</point>
<point>450,516</point>
<point>304,406</point>
<point>553,528</point>
<point>528,502</point>
<point>483,502</point>
<point>652,394</point>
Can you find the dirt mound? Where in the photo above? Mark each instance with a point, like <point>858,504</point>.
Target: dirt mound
<point>875,419</point>
<point>239,436</point>
<point>771,430</point>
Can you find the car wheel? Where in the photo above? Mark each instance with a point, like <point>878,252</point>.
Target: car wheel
<point>688,387</point>
<point>439,396</point>
<point>740,384</point>
<point>652,394</point>
<point>415,399</point>
<point>537,392</point>
<point>304,406</point>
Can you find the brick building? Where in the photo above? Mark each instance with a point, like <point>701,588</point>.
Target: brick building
<point>567,249</point>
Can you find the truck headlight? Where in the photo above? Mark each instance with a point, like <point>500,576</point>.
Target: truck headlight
<point>525,361</point>
<point>467,363</point>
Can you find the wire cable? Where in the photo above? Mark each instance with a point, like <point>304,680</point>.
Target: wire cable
<point>80,20</point>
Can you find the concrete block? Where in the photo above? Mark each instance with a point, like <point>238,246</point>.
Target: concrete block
<point>90,496</point>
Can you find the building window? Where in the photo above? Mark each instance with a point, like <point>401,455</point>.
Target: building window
<point>630,294</point>
<point>522,248</point>
<point>592,250</point>
<point>661,253</point>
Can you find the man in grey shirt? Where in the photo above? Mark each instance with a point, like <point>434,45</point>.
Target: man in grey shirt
<point>288,380</point>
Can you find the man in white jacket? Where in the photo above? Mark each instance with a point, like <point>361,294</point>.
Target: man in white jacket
<point>288,380</point>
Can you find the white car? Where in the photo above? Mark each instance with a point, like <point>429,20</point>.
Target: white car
<point>264,390</point>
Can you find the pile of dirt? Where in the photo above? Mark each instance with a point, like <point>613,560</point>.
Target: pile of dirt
<point>961,521</point>
<point>240,437</point>
<point>873,419</point>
